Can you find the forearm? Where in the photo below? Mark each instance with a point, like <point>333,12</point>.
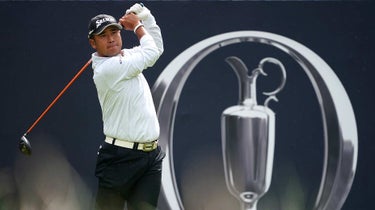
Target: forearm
<point>154,30</point>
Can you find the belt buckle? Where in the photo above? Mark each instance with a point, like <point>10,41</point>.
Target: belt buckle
<point>148,146</point>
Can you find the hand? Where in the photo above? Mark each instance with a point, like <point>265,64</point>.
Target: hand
<point>140,10</point>
<point>129,21</point>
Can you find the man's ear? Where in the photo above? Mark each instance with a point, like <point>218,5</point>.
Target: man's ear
<point>92,43</point>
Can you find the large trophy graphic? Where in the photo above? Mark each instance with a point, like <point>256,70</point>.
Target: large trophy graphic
<point>248,136</point>
<point>338,120</point>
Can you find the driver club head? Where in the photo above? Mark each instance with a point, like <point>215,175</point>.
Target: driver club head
<point>24,146</point>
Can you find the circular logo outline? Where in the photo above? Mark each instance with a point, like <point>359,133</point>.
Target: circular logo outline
<point>339,124</point>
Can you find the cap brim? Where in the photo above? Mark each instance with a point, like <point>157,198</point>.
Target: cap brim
<point>111,24</point>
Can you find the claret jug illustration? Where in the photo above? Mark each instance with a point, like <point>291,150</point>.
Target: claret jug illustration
<point>248,136</point>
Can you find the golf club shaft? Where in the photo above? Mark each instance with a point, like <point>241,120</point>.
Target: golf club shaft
<point>58,96</point>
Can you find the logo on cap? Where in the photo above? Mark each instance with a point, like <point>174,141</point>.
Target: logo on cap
<point>106,19</point>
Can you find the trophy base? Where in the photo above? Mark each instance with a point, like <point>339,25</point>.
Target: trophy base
<point>248,206</point>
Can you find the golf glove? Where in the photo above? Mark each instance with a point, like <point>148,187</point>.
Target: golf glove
<point>141,11</point>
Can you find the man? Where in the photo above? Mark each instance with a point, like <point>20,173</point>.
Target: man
<point>129,160</point>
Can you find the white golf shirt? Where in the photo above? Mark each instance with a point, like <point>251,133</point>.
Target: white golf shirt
<point>128,110</point>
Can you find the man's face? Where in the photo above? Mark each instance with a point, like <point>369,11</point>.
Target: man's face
<point>108,43</point>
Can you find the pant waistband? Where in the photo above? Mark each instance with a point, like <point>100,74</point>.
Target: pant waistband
<point>144,146</point>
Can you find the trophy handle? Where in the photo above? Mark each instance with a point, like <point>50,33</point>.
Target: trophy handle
<point>272,94</point>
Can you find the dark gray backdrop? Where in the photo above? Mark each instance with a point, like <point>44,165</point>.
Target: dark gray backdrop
<point>43,44</point>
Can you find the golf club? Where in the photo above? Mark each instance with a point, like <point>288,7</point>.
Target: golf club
<point>24,145</point>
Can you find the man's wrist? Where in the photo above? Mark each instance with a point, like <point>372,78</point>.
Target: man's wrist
<point>137,27</point>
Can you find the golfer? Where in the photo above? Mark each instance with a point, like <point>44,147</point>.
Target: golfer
<point>129,160</point>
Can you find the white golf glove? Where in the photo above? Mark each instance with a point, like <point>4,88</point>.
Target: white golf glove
<point>140,10</point>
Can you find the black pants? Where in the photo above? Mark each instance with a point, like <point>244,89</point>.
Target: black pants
<point>128,176</point>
